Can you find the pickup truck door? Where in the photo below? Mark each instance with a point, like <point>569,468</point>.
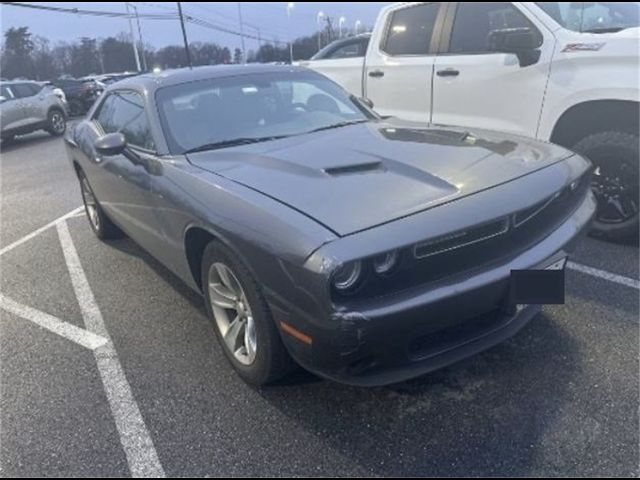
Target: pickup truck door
<point>400,60</point>
<point>476,87</point>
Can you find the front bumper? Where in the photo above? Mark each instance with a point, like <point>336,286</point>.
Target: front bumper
<point>411,333</point>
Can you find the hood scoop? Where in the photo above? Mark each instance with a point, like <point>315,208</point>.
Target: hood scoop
<point>354,168</point>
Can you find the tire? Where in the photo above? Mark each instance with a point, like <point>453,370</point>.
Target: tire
<point>616,159</point>
<point>269,360</point>
<point>101,225</point>
<point>56,123</point>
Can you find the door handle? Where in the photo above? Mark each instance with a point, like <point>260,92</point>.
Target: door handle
<point>448,72</point>
<point>376,74</point>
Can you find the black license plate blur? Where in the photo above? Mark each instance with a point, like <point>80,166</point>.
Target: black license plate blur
<point>537,287</point>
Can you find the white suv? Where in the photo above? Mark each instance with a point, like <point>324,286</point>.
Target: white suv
<point>27,106</point>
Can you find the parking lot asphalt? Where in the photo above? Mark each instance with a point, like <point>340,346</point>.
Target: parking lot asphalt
<point>560,398</point>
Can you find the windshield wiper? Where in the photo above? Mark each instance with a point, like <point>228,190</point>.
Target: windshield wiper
<point>338,125</point>
<point>232,143</point>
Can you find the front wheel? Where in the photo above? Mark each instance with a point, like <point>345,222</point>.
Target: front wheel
<point>101,225</point>
<point>616,160</point>
<point>241,318</point>
<point>56,123</point>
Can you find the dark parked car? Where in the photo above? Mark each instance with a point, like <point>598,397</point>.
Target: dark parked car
<point>368,250</point>
<point>80,94</point>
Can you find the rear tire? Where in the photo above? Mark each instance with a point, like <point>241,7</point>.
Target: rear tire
<point>616,160</point>
<point>257,354</point>
<point>101,225</point>
<point>56,123</point>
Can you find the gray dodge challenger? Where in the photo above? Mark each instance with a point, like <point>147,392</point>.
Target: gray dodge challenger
<point>365,249</point>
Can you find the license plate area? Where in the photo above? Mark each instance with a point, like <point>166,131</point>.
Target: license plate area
<point>540,286</point>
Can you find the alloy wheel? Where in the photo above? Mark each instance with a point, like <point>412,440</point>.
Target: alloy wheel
<point>57,122</point>
<point>614,184</point>
<point>232,313</point>
<point>90,204</point>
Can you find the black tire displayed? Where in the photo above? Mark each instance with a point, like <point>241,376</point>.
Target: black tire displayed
<point>616,159</point>
<point>101,225</point>
<point>270,361</point>
<point>56,123</point>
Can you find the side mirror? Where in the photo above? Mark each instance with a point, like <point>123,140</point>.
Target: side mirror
<point>521,41</point>
<point>367,102</point>
<point>110,144</point>
<point>3,98</point>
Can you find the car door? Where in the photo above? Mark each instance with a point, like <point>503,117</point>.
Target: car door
<point>26,93</point>
<point>400,61</point>
<point>476,87</point>
<point>122,183</point>
<point>11,111</point>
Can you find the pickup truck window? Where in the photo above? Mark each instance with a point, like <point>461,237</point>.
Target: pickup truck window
<point>350,50</point>
<point>593,17</point>
<point>475,21</point>
<point>410,30</point>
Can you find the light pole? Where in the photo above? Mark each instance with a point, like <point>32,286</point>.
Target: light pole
<point>341,22</point>
<point>319,19</point>
<point>133,39</point>
<point>244,53</point>
<point>144,57</point>
<point>290,7</point>
<point>357,26</point>
<point>184,35</point>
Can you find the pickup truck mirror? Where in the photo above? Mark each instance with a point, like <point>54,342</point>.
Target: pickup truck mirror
<point>521,41</point>
<point>110,144</point>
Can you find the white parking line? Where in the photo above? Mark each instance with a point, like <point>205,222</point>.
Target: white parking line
<point>37,232</point>
<point>135,439</point>
<point>69,331</point>
<point>611,277</point>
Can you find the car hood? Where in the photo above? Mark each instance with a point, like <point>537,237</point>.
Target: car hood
<point>357,177</point>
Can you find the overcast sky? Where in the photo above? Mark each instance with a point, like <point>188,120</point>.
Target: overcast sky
<point>271,18</point>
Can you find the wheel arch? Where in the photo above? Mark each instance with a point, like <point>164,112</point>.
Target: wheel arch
<point>594,116</point>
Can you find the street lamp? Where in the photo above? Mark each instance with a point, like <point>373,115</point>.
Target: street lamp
<point>290,7</point>
<point>357,26</point>
<point>341,22</point>
<point>319,19</point>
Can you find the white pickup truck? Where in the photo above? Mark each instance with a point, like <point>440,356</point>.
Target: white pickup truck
<point>566,72</point>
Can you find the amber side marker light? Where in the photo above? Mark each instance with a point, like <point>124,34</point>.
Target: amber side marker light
<point>296,333</point>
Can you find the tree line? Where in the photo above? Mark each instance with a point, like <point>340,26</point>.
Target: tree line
<point>25,55</point>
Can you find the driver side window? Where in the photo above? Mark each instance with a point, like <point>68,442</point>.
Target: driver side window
<point>123,111</point>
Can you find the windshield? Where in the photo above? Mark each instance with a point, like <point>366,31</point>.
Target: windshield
<point>593,17</point>
<point>229,111</point>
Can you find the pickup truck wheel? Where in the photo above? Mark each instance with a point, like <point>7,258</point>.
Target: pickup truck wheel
<point>616,159</point>
<point>241,318</point>
<point>56,123</point>
<point>101,225</point>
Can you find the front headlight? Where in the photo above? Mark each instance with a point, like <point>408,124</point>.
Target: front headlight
<point>347,278</point>
<point>386,263</point>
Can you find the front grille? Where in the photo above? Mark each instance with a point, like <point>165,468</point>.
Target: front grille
<point>461,239</point>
